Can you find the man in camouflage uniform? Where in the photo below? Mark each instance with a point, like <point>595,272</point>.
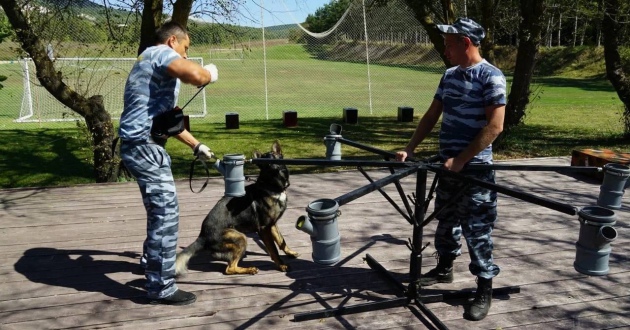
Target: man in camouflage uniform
<point>151,91</point>
<point>471,97</point>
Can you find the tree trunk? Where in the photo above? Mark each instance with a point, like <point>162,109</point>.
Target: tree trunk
<point>559,28</point>
<point>423,15</point>
<point>599,31</point>
<point>151,19</point>
<point>575,25</point>
<point>487,21</point>
<point>181,11</point>
<point>530,37</point>
<point>97,119</point>
<point>550,32</point>
<point>105,166</point>
<point>448,13</point>
<point>614,68</point>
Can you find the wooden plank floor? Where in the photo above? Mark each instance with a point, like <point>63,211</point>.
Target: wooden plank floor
<point>69,259</point>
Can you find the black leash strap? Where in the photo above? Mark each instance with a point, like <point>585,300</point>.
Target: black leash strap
<point>193,97</point>
<point>114,143</point>
<point>192,169</point>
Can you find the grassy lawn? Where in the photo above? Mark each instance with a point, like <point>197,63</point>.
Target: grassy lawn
<point>566,113</point>
<point>569,113</point>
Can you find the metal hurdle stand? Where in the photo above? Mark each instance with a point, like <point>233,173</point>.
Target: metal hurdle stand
<point>413,292</point>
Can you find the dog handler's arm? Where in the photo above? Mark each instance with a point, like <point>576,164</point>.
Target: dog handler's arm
<point>199,149</point>
<point>425,126</point>
<point>188,72</point>
<point>187,138</point>
<point>495,115</point>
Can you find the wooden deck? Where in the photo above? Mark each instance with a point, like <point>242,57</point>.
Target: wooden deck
<point>70,260</point>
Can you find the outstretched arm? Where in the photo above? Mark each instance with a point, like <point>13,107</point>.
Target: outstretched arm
<point>187,138</point>
<point>423,129</point>
<point>189,72</point>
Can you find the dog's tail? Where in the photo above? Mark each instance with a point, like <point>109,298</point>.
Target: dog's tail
<point>181,263</point>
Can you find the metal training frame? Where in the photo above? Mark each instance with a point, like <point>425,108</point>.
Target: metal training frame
<point>413,293</point>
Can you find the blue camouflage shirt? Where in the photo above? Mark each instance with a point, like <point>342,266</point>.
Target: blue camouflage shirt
<point>149,91</point>
<point>464,93</point>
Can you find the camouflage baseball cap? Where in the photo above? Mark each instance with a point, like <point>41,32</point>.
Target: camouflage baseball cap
<point>465,27</point>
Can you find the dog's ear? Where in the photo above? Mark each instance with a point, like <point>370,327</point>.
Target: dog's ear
<point>276,148</point>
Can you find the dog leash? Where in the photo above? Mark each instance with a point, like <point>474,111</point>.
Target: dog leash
<point>200,88</point>
<point>192,170</point>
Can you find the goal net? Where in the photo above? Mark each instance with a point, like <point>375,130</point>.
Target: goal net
<point>376,57</point>
<point>91,76</point>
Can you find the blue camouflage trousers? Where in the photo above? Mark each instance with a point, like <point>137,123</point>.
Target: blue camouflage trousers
<point>151,166</point>
<point>472,214</point>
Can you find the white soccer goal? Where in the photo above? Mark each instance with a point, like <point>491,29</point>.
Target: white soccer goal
<point>226,54</point>
<point>91,76</point>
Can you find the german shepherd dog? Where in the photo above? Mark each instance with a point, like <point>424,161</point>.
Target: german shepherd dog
<point>223,230</point>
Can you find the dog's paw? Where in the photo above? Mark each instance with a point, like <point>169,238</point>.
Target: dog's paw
<point>283,268</point>
<point>241,270</point>
<point>292,254</point>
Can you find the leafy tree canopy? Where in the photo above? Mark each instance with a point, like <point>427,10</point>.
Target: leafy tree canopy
<point>326,16</point>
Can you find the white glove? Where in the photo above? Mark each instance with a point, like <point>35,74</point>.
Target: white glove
<point>214,72</point>
<point>203,152</point>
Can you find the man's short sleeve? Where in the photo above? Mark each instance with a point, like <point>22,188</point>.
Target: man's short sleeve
<point>495,90</point>
<point>164,57</point>
<point>440,90</point>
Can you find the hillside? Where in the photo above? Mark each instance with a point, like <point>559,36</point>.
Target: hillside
<point>79,4</point>
<point>571,62</point>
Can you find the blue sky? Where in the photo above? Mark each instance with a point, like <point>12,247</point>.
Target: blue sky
<point>278,12</point>
<point>275,12</point>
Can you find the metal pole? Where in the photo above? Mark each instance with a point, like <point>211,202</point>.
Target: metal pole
<point>415,264</point>
<point>367,57</point>
<point>542,201</point>
<point>345,199</point>
<point>410,168</point>
<point>262,25</point>
<point>371,149</point>
<point>416,244</point>
<point>534,168</point>
<point>326,162</point>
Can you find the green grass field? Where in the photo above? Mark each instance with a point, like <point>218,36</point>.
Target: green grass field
<point>566,114</point>
<point>312,87</point>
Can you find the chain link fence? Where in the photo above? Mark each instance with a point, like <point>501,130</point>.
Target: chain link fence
<point>375,60</point>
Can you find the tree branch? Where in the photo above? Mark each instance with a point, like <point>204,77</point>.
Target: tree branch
<point>45,69</point>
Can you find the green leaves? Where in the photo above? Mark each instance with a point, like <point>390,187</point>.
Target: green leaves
<point>326,17</point>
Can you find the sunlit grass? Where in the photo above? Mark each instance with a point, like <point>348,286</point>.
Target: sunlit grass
<point>565,114</point>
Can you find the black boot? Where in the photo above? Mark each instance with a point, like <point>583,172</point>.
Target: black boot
<point>178,298</point>
<point>442,273</point>
<point>483,300</point>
